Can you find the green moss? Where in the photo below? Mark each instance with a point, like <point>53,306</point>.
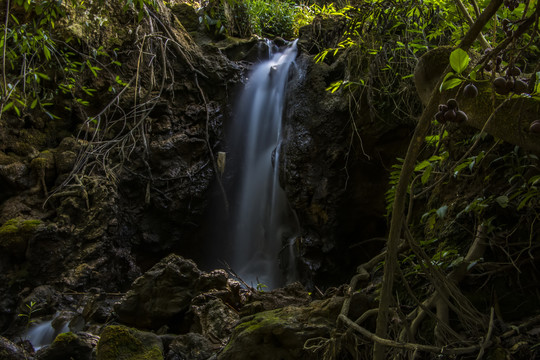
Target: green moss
<point>66,338</point>
<point>123,343</point>
<point>260,320</point>
<point>15,233</point>
<point>33,137</point>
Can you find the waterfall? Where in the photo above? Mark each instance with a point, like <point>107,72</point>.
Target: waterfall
<point>260,215</point>
<point>43,333</point>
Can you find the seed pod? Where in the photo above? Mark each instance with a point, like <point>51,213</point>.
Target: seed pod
<point>440,117</point>
<point>535,127</point>
<point>500,86</point>
<point>461,117</point>
<point>443,108</point>
<point>452,104</point>
<point>450,115</point>
<point>510,84</point>
<point>513,71</point>
<point>470,91</point>
<point>520,87</point>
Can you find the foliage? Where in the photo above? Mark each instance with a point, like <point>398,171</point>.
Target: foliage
<point>264,18</point>
<point>31,309</point>
<point>38,65</point>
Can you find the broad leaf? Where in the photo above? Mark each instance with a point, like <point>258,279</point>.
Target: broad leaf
<point>450,83</point>
<point>459,60</point>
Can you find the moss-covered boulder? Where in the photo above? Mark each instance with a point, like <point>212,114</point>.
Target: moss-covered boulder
<point>69,345</point>
<point>15,234</point>
<point>123,343</point>
<point>281,333</point>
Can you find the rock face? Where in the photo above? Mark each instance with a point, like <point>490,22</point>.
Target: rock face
<point>333,170</point>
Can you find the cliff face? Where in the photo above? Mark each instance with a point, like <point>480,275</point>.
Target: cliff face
<point>106,188</point>
<point>119,171</point>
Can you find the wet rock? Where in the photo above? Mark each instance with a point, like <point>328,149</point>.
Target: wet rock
<point>334,179</point>
<point>10,351</point>
<point>70,345</point>
<point>46,298</point>
<point>123,343</point>
<point>99,308</point>
<point>190,346</point>
<point>281,333</point>
<point>162,294</point>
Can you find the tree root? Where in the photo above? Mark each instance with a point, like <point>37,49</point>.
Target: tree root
<point>411,346</point>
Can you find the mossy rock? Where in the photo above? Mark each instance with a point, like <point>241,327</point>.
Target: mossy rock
<point>6,159</point>
<point>69,346</point>
<point>123,343</point>
<point>281,333</point>
<point>15,234</point>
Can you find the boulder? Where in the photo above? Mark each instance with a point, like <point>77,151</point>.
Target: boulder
<point>214,320</point>
<point>123,343</point>
<point>69,346</point>
<point>10,351</point>
<point>15,235</point>
<point>281,333</point>
<point>190,346</point>
<point>161,295</point>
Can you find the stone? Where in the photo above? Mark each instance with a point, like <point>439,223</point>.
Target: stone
<point>70,345</point>
<point>15,175</point>
<point>292,294</point>
<point>214,320</point>
<point>65,161</point>
<point>161,295</point>
<point>123,343</point>
<point>190,346</point>
<point>10,351</point>
<point>281,333</point>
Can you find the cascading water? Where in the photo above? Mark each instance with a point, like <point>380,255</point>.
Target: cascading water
<point>43,333</point>
<point>260,216</point>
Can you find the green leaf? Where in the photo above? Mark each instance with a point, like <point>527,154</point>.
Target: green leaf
<point>459,60</point>
<point>426,174</point>
<point>450,84</point>
<point>502,201</point>
<point>34,103</point>
<point>8,106</point>
<point>47,52</point>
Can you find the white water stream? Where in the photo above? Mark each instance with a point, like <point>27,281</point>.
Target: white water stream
<point>259,210</point>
